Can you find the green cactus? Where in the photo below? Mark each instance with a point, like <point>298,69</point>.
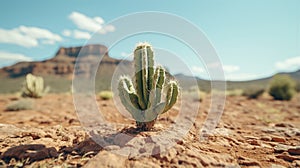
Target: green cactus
<point>34,87</point>
<point>144,98</point>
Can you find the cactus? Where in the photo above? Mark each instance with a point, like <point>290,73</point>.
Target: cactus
<point>34,87</point>
<point>143,99</point>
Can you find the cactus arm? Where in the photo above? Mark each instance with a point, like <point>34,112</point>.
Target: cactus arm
<point>126,97</point>
<point>139,62</point>
<point>39,86</point>
<point>150,59</point>
<point>172,95</point>
<point>160,83</point>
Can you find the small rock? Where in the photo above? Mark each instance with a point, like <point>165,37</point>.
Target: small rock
<point>278,139</point>
<point>281,148</point>
<point>294,150</point>
<point>106,159</point>
<point>205,161</point>
<point>266,138</point>
<point>87,146</point>
<point>277,166</point>
<point>285,156</point>
<point>34,152</point>
<point>296,163</point>
<point>122,140</point>
<point>284,125</point>
<point>248,162</point>
<point>144,165</point>
<point>253,142</point>
<point>111,147</point>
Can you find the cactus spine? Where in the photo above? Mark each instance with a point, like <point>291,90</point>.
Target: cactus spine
<point>143,99</point>
<point>34,86</point>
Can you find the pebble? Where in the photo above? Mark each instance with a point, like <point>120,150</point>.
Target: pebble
<point>285,156</point>
<point>278,139</point>
<point>294,150</point>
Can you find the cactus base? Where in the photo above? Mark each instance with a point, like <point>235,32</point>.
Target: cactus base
<point>145,126</point>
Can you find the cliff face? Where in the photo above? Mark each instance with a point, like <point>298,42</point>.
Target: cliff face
<point>62,64</point>
<point>84,51</point>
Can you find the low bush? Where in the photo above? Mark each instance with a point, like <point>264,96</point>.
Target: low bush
<point>106,95</point>
<point>34,87</point>
<point>235,92</point>
<point>22,104</point>
<point>298,87</point>
<point>252,93</point>
<point>282,87</point>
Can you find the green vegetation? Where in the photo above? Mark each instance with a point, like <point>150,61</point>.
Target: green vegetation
<point>106,95</point>
<point>143,99</point>
<point>253,93</point>
<point>282,87</point>
<point>22,104</point>
<point>34,87</point>
<point>298,87</point>
<point>235,92</point>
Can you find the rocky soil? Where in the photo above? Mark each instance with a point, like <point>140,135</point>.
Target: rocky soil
<point>251,133</point>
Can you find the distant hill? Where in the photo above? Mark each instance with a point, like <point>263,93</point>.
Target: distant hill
<point>58,71</point>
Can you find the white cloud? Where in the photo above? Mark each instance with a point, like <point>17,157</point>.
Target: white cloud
<point>99,20</point>
<point>15,37</point>
<point>198,70</point>
<point>81,35</point>
<point>48,42</point>
<point>67,33</point>
<point>230,68</point>
<point>124,54</point>
<point>290,63</point>
<point>7,56</point>
<point>127,55</point>
<point>89,24</point>
<point>27,36</point>
<point>77,34</point>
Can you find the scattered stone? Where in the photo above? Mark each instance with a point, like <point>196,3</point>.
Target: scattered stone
<point>266,138</point>
<point>281,148</point>
<point>87,146</point>
<point>278,139</point>
<point>285,156</point>
<point>294,150</point>
<point>144,165</point>
<point>284,125</point>
<point>111,147</point>
<point>277,166</point>
<point>296,163</point>
<point>253,142</point>
<point>34,152</point>
<point>122,140</point>
<point>106,159</point>
<point>205,161</point>
<point>248,162</point>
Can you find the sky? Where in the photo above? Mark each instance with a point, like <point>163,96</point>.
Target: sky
<point>253,38</point>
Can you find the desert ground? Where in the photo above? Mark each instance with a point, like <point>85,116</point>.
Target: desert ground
<point>251,133</point>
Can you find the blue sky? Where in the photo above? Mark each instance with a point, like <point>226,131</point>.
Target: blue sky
<point>253,38</point>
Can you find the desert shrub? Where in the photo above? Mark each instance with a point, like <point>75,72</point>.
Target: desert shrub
<point>22,104</point>
<point>235,92</point>
<point>282,87</point>
<point>202,96</point>
<point>298,87</point>
<point>106,95</point>
<point>34,87</point>
<point>253,93</point>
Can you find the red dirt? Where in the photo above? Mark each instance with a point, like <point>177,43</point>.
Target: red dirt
<point>251,133</point>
